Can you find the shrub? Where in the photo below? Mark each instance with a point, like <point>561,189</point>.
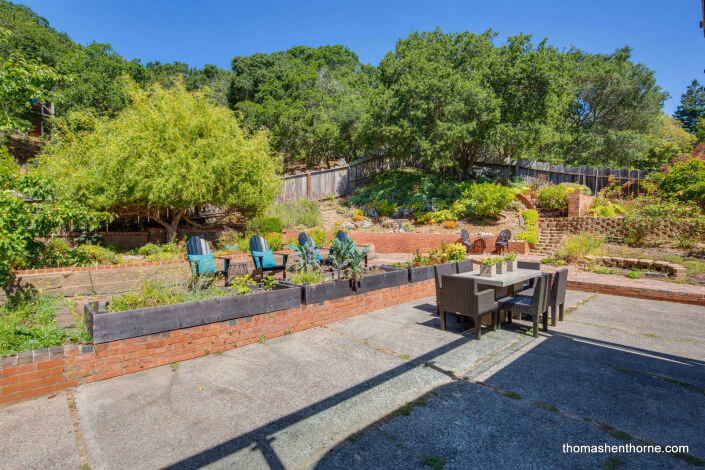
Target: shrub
<point>318,235</point>
<point>606,209</point>
<point>153,249</point>
<point>304,213</point>
<point>645,217</point>
<point>486,200</point>
<point>455,251</point>
<point>424,218</point>
<point>99,255</point>
<point>307,277</point>
<point>164,256</point>
<point>262,225</point>
<point>685,180</point>
<point>634,274</point>
<point>576,247</point>
<point>531,234</point>
<point>385,208</point>
<point>275,241</point>
<point>27,322</point>
<point>555,197</point>
<point>450,224</point>
<point>57,253</point>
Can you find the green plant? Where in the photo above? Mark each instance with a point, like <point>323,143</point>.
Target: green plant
<point>27,322</point>
<point>576,247</point>
<point>436,463</point>
<point>338,255</point>
<point>407,226</point>
<point>510,257</point>
<point>455,251</point>
<point>492,260</point>
<point>531,217</point>
<point>529,236</point>
<point>547,260</point>
<point>485,200</point>
<point>265,225</point>
<point>555,197</point>
<point>307,277</point>
<point>633,274</point>
<point>355,270</point>
<point>275,241</point>
<point>262,339</point>
<point>306,258</point>
<point>174,366</point>
<point>298,213</point>
<point>153,249</point>
<point>602,270</point>
<point>384,207</point>
<point>99,255</point>
<point>269,283</point>
<point>318,235</point>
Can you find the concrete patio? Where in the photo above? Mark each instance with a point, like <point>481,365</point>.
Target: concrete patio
<point>390,390</point>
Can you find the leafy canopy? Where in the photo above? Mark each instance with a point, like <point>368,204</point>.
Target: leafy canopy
<point>171,150</point>
<point>23,223</point>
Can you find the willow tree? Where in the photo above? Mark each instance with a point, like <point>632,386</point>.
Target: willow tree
<point>169,151</point>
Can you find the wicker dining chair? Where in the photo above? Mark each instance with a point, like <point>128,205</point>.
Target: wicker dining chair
<point>535,306</point>
<point>461,296</point>
<point>556,294</point>
<point>441,270</point>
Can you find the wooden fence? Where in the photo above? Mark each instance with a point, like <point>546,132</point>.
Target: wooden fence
<point>593,178</point>
<point>338,181</point>
<point>341,181</point>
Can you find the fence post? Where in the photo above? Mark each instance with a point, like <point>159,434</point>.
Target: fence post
<point>308,185</point>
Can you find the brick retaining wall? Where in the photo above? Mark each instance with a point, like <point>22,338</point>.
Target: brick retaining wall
<point>46,371</point>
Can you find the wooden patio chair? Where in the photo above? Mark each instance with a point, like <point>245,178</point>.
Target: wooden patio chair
<point>263,258</point>
<point>201,259</point>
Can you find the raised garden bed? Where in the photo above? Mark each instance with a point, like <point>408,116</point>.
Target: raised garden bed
<point>107,326</point>
<point>335,289</point>
<point>422,273</point>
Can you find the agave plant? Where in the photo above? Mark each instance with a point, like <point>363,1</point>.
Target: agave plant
<point>306,257</point>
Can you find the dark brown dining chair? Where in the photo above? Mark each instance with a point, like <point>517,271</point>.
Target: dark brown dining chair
<point>556,297</point>
<point>441,270</point>
<point>461,296</point>
<point>535,306</point>
<point>521,286</point>
<point>465,266</point>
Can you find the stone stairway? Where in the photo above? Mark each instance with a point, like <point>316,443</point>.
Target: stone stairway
<point>550,237</point>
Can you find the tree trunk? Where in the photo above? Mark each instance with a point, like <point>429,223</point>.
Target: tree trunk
<point>173,226</point>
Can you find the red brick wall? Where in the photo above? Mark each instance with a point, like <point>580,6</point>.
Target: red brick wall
<point>405,242</point>
<point>579,204</point>
<point>45,371</point>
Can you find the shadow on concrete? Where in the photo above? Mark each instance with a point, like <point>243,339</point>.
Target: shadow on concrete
<point>577,374</point>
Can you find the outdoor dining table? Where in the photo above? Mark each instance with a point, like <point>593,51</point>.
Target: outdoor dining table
<point>507,280</point>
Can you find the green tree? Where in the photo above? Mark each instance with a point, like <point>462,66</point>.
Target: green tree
<point>22,82</point>
<point>32,37</point>
<point>668,142</point>
<point>692,106</point>
<point>435,100</point>
<point>170,151</point>
<point>617,107</point>
<point>312,100</point>
<point>23,223</point>
<point>95,71</point>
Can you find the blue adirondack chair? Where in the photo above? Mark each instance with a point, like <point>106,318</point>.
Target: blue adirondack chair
<point>305,238</point>
<point>263,257</point>
<point>342,236</point>
<point>201,259</point>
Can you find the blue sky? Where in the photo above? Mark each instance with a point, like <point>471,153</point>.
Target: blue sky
<point>663,34</point>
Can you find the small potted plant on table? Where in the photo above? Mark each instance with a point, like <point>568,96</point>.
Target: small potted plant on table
<point>511,261</point>
<point>488,268</point>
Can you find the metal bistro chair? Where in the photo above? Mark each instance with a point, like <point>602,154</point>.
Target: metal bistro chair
<point>465,240</point>
<point>305,238</point>
<point>263,257</point>
<point>201,258</point>
<point>503,240</point>
<point>556,298</point>
<point>441,270</point>
<point>534,306</point>
<point>461,296</point>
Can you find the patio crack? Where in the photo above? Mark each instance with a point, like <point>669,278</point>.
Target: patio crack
<point>77,431</point>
